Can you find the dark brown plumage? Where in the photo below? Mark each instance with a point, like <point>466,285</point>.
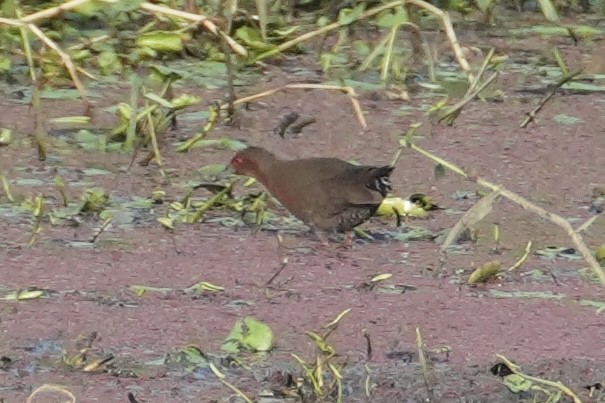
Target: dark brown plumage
<point>328,194</point>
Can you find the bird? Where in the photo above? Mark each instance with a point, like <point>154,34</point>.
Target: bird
<point>327,194</point>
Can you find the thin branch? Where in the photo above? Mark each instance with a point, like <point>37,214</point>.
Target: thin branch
<point>527,205</point>
<point>200,19</point>
<point>531,115</point>
<point>444,16</point>
<point>558,385</point>
<point>347,90</point>
<point>64,56</point>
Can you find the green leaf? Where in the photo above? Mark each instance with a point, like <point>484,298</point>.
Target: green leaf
<point>89,140</point>
<point>212,170</point>
<point>525,294</point>
<point>389,19</point>
<point>549,10</point>
<point>566,119</point>
<point>249,334</point>
<point>580,86</point>
<point>6,136</point>
<point>161,41</point>
<point>485,272</point>
<point>94,200</point>
<point>230,144</point>
<point>5,64</point>
<point>253,38</point>
<point>184,101</point>
<point>109,63</point>
<point>516,383</point>
<point>348,15</point>
<point>484,4</point>
<point>158,100</point>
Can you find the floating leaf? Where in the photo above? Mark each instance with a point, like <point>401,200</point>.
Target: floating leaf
<point>5,64</point>
<point>205,286</point>
<point>600,305</point>
<point>516,383</point>
<point>566,119</point>
<point>6,137</point>
<point>23,295</point>
<point>392,18</point>
<point>348,15</point>
<point>167,222</point>
<point>553,252</point>
<point>381,277</point>
<point>212,170</point>
<point>581,86</point>
<point>159,100</point>
<point>140,290</point>
<point>485,272</point>
<point>109,63</point>
<point>249,334</point>
<point>600,255</point>
<point>525,294</point>
<point>230,144</point>
<point>253,38</point>
<point>549,10</point>
<point>395,289</point>
<point>89,140</point>
<point>94,200</point>
<point>162,41</point>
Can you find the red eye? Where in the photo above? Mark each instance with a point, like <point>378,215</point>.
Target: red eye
<point>237,160</point>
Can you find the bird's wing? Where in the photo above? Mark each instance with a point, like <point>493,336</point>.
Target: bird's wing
<point>361,185</point>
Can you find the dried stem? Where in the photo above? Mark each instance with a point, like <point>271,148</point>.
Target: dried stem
<point>64,56</point>
<point>52,388</point>
<point>347,90</point>
<point>444,16</point>
<point>531,115</point>
<point>558,385</point>
<point>527,205</point>
<point>200,19</point>
<point>426,373</point>
<point>474,89</point>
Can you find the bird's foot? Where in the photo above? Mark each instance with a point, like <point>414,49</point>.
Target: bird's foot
<point>322,237</point>
<point>348,240</point>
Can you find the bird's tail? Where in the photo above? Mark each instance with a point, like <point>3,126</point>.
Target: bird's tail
<point>379,179</point>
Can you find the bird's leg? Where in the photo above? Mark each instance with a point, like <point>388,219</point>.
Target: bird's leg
<point>321,236</point>
<point>348,241</point>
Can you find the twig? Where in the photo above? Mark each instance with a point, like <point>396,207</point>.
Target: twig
<point>101,230</point>
<point>523,258</point>
<point>230,77</point>
<point>453,111</point>
<point>587,224</point>
<point>527,205</point>
<point>154,142</point>
<point>368,344</point>
<point>531,115</point>
<point>64,56</point>
<point>53,11</point>
<point>481,71</point>
<point>425,368</point>
<point>283,266</point>
<point>444,16</point>
<point>51,388</point>
<point>131,398</point>
<point>297,127</point>
<point>347,90</point>
<point>200,19</point>
<point>558,385</point>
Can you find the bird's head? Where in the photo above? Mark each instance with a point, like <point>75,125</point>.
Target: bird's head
<point>253,161</point>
